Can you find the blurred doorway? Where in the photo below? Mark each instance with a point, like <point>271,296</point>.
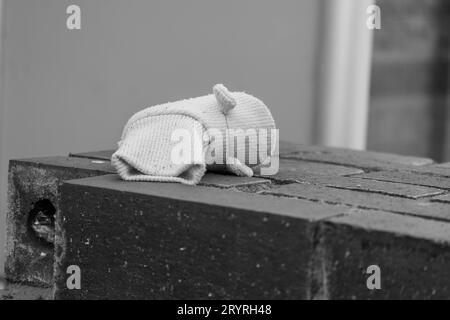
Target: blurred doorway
<point>409,102</point>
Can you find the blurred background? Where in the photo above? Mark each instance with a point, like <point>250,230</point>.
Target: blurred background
<point>326,77</point>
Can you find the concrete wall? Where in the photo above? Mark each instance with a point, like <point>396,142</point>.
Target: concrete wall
<point>68,91</point>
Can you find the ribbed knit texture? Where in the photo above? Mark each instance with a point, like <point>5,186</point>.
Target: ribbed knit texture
<point>146,145</point>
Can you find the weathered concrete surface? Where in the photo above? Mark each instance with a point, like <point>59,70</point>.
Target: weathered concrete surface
<point>76,164</point>
<point>444,199</point>
<point>173,243</point>
<point>375,186</point>
<point>354,158</point>
<point>31,181</point>
<point>431,170</point>
<point>309,232</point>
<point>407,177</point>
<point>364,200</point>
<point>413,256</point>
<point>298,171</point>
<point>230,181</point>
<point>180,242</point>
<point>22,292</point>
<point>96,155</point>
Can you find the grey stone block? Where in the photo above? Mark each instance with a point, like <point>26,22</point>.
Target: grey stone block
<point>298,171</point>
<point>359,159</point>
<point>444,199</point>
<point>99,155</point>
<point>356,183</point>
<point>364,200</point>
<point>413,256</point>
<point>230,181</point>
<point>33,194</point>
<point>413,178</point>
<point>171,241</point>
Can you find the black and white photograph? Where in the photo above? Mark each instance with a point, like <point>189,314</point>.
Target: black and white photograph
<point>224,155</point>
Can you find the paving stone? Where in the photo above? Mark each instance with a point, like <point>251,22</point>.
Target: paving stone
<point>413,255</point>
<point>375,186</point>
<point>230,181</point>
<point>419,179</point>
<point>298,171</point>
<point>364,200</point>
<point>99,155</point>
<point>354,158</point>
<point>33,188</point>
<point>171,241</point>
<point>64,163</point>
<point>444,198</point>
<point>432,170</point>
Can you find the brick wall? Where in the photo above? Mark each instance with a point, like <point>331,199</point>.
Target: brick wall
<point>309,232</point>
<point>409,111</point>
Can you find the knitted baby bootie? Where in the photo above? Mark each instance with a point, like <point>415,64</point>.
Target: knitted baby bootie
<point>177,141</point>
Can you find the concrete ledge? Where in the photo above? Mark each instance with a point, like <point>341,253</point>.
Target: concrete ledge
<point>165,241</point>
<point>33,187</point>
<point>413,255</point>
<point>23,292</point>
<point>309,232</point>
<point>170,241</point>
<point>366,160</point>
<point>364,200</point>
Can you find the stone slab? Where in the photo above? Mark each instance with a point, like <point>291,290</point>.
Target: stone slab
<point>364,200</point>
<point>171,241</point>
<point>381,187</point>
<point>431,170</point>
<point>230,181</point>
<point>98,155</point>
<point>413,256</point>
<point>443,198</point>
<point>21,292</point>
<point>32,187</point>
<point>407,177</point>
<point>298,171</point>
<point>366,160</point>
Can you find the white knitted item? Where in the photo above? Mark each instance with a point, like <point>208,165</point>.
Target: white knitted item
<point>147,144</point>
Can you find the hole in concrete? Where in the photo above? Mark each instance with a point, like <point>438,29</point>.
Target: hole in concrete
<point>41,221</point>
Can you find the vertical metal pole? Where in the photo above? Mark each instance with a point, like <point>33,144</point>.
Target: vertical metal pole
<point>343,82</point>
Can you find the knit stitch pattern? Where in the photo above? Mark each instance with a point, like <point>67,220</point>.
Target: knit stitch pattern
<point>147,144</point>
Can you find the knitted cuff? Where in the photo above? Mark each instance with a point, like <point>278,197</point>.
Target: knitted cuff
<point>151,151</point>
